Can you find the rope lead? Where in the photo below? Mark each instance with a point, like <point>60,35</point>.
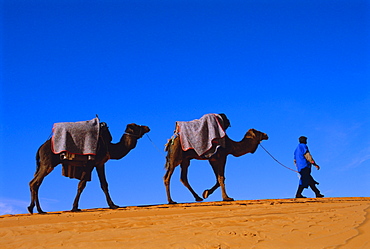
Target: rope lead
<point>161,152</point>
<point>277,160</point>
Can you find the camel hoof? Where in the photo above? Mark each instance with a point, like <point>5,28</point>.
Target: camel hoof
<point>76,210</point>
<point>114,206</point>
<point>228,199</point>
<point>172,202</point>
<point>206,194</point>
<point>198,199</point>
<point>30,210</point>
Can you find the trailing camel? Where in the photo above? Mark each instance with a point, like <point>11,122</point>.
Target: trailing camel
<point>176,156</point>
<point>47,160</point>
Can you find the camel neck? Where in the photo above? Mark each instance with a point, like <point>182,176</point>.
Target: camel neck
<point>123,147</point>
<point>247,145</point>
<point>129,140</point>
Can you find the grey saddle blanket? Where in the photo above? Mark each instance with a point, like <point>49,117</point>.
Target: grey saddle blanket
<point>76,137</point>
<point>204,135</point>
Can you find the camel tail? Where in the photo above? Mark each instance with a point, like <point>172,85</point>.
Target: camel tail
<point>174,152</point>
<point>37,161</point>
<point>167,164</point>
<point>168,148</point>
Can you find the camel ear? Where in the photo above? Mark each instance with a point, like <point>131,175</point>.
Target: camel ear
<point>252,133</point>
<point>130,127</point>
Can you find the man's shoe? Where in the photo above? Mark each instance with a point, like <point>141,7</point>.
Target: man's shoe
<point>319,196</point>
<point>300,196</point>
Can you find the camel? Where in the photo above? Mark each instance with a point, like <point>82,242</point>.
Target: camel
<point>176,156</point>
<point>46,161</point>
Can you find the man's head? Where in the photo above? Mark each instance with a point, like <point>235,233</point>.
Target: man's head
<point>303,140</point>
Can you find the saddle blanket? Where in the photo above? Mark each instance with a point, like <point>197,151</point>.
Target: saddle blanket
<point>204,135</point>
<point>76,137</point>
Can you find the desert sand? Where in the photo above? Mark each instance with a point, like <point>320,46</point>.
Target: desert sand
<point>275,223</point>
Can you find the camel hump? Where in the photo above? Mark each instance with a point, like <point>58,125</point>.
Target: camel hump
<point>225,121</point>
<point>105,133</point>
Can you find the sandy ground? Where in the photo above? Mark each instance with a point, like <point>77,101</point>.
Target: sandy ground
<point>283,223</point>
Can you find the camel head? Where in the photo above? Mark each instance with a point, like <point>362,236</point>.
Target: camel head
<point>257,135</point>
<point>136,130</point>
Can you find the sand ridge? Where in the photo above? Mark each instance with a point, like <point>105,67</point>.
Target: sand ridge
<point>274,223</point>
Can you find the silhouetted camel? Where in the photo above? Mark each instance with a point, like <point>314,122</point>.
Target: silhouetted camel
<point>176,156</point>
<point>46,161</point>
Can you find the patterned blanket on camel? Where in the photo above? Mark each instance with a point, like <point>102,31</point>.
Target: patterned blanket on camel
<point>79,138</point>
<point>204,135</point>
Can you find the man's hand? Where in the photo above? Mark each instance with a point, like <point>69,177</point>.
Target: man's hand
<point>314,164</point>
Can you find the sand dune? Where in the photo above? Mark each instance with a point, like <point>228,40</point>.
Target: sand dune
<point>280,223</point>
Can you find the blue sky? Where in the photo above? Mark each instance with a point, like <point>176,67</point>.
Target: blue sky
<point>287,68</point>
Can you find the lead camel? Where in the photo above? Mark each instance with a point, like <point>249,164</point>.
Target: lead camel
<point>176,156</point>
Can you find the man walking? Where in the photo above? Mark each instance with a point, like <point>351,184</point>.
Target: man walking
<point>304,161</point>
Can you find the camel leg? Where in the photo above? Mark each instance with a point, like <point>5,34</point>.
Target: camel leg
<point>167,179</point>
<point>81,187</point>
<point>35,184</point>
<point>208,192</point>
<point>184,178</point>
<point>104,186</point>
<point>220,166</point>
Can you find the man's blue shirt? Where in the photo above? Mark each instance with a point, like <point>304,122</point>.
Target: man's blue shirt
<point>299,157</point>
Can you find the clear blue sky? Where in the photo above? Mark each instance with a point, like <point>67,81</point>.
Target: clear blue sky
<point>287,68</point>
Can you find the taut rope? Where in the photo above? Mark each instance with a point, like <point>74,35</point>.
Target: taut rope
<point>277,160</point>
<point>161,152</point>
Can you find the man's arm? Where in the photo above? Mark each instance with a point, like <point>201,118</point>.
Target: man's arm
<point>309,158</point>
